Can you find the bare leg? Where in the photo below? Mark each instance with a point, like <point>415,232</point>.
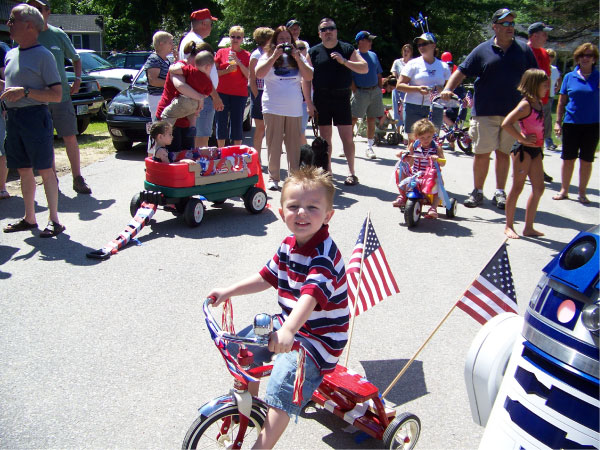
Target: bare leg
<point>72,149</point>
<point>481,165</point>
<point>536,176</point>
<point>51,190</point>
<point>566,175</point>
<point>3,173</point>
<point>259,134</point>
<point>201,141</point>
<point>502,169</point>
<point>326,133</point>
<point>520,171</point>
<point>237,142</point>
<point>585,172</point>
<point>371,127</point>
<point>221,143</point>
<point>28,191</point>
<point>345,132</point>
<point>275,424</point>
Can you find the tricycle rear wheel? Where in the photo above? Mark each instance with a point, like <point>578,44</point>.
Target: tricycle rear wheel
<point>451,212</point>
<point>255,200</point>
<point>403,432</point>
<point>193,213</point>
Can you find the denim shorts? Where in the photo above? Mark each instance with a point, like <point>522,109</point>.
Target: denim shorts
<point>204,122</point>
<point>256,111</point>
<point>414,113</point>
<point>280,387</point>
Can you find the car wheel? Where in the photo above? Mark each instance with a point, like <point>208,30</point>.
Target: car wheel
<point>123,146</point>
<point>82,124</point>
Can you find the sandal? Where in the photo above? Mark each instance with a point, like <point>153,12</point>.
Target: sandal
<point>4,194</point>
<point>52,229</point>
<point>432,214</point>
<point>560,197</point>
<point>583,200</point>
<point>351,180</point>
<point>22,225</point>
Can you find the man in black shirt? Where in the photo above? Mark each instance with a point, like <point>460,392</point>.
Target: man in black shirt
<point>333,62</point>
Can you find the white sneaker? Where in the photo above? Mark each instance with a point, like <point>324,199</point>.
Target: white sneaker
<point>370,153</point>
<point>273,185</point>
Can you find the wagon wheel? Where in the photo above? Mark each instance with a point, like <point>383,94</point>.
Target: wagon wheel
<point>135,204</point>
<point>194,212</point>
<point>255,200</point>
<point>403,432</point>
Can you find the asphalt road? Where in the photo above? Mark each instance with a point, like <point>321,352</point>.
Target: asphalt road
<point>116,354</point>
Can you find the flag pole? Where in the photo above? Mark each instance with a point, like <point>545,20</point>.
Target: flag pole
<point>407,365</point>
<point>362,258</point>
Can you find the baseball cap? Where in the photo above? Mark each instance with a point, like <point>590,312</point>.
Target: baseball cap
<point>291,23</point>
<point>427,37</point>
<point>34,3</point>
<point>501,14</point>
<point>364,35</point>
<point>201,14</point>
<point>538,26</point>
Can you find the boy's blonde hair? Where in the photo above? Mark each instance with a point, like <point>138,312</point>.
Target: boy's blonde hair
<point>160,37</point>
<point>203,58</point>
<point>531,82</point>
<point>311,177</point>
<point>420,127</point>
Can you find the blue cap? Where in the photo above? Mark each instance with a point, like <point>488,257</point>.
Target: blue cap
<point>501,14</point>
<point>364,35</point>
<point>428,37</point>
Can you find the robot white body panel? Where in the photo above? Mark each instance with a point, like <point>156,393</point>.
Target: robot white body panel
<point>548,397</point>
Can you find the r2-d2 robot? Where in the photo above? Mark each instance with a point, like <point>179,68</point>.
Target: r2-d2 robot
<point>533,381</point>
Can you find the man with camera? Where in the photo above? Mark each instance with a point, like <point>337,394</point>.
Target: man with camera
<point>366,90</point>
<point>333,62</point>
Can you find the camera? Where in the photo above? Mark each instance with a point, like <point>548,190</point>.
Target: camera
<point>287,49</point>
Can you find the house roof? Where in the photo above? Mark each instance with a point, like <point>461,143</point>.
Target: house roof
<point>71,23</point>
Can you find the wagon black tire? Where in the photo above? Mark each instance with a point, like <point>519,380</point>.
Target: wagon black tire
<point>204,430</point>
<point>255,200</point>
<point>465,144</point>
<point>403,432</point>
<point>412,212</point>
<point>135,204</point>
<point>393,139</point>
<point>451,212</point>
<point>193,212</point>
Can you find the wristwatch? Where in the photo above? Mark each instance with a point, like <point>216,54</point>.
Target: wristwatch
<point>26,92</point>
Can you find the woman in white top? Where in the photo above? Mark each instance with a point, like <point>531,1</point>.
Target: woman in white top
<point>407,54</point>
<point>283,73</point>
<point>262,36</point>
<point>418,78</point>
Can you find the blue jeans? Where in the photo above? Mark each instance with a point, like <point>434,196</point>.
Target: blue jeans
<point>204,122</point>
<point>232,115</point>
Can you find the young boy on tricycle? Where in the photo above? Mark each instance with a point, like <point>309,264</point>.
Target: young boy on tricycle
<point>309,275</point>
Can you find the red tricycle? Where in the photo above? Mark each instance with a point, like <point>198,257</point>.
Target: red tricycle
<point>231,172</point>
<point>235,419</point>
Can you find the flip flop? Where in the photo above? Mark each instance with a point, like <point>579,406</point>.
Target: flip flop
<point>560,197</point>
<point>583,200</point>
<point>52,229</point>
<point>21,225</point>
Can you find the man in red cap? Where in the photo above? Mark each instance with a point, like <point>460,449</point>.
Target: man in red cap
<point>201,27</point>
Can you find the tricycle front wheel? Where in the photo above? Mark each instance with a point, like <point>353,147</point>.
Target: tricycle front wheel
<point>220,429</point>
<point>403,432</point>
<point>193,212</point>
<point>412,212</point>
<point>255,200</point>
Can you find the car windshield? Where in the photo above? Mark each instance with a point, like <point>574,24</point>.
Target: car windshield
<point>92,62</point>
<point>140,79</point>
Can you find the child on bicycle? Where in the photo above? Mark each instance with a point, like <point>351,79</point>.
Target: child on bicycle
<point>309,275</point>
<point>424,146</point>
<point>527,153</point>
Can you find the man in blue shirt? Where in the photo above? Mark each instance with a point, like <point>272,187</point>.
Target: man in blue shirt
<point>366,90</point>
<point>497,65</point>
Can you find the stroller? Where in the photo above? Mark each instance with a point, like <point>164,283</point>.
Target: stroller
<point>388,134</point>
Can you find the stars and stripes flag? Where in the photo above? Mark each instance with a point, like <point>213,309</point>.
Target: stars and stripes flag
<point>373,282</point>
<point>492,292</point>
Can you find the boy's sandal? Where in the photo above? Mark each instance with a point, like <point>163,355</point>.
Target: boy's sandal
<point>432,214</point>
<point>52,229</point>
<point>22,225</point>
<point>560,197</point>
<point>351,180</point>
<point>4,194</point>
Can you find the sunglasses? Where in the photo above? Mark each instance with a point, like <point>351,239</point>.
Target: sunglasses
<point>587,55</point>
<point>301,48</point>
<point>506,24</point>
<point>235,37</point>
<point>423,44</point>
<point>330,28</point>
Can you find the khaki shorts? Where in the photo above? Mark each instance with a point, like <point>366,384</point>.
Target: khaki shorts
<point>487,135</point>
<point>64,119</point>
<point>367,101</point>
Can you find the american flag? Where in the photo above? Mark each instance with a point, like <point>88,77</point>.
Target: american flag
<point>376,280</point>
<point>493,291</point>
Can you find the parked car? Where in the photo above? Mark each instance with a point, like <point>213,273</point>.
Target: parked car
<point>128,117</point>
<point>87,102</point>
<point>129,60</point>
<point>109,76</point>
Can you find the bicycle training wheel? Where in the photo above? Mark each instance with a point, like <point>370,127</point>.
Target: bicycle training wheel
<point>220,429</point>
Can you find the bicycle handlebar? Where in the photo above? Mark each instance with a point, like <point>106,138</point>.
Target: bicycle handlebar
<point>453,102</point>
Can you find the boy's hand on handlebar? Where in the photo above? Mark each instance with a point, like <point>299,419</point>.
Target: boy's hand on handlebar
<point>446,94</point>
<point>218,295</point>
<point>281,341</point>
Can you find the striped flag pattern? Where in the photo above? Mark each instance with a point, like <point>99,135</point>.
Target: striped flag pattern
<point>492,292</point>
<point>377,281</point>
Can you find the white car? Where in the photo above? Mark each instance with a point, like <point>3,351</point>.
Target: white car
<point>109,77</point>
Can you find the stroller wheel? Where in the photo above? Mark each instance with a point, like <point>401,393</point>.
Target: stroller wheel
<point>393,138</point>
